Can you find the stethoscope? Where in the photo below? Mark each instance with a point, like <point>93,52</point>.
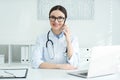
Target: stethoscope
<point>51,53</point>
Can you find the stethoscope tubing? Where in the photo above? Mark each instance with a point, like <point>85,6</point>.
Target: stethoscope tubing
<point>49,40</point>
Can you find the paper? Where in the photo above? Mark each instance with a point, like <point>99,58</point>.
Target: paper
<point>13,73</point>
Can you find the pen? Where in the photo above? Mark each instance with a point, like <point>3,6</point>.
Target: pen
<point>9,73</point>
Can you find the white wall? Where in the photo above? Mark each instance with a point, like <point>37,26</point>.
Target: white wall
<point>16,19</point>
<point>116,22</point>
<point>19,24</point>
<point>103,22</point>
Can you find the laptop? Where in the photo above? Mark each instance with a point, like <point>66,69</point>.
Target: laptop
<point>104,61</point>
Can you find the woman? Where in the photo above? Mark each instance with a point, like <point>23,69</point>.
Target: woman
<point>57,49</point>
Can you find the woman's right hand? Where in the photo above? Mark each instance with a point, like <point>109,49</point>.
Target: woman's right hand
<point>66,66</point>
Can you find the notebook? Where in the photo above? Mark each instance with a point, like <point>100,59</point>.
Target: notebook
<point>104,61</point>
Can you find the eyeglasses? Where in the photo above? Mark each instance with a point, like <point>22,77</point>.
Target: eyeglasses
<point>59,19</point>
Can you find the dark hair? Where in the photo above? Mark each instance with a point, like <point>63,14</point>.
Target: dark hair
<point>59,7</point>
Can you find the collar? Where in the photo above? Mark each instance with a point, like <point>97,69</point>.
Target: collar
<point>57,36</point>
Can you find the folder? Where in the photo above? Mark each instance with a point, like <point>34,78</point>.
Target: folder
<point>27,54</point>
<point>23,54</point>
<point>13,73</point>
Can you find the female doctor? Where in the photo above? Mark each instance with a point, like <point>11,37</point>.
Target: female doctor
<point>57,49</point>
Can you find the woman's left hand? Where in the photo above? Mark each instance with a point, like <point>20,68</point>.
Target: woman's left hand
<point>66,31</point>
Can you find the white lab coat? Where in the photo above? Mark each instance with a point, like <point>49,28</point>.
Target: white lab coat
<point>40,53</point>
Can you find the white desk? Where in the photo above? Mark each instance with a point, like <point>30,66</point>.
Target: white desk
<point>56,74</point>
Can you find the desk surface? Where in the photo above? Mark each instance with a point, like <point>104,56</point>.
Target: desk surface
<point>56,74</point>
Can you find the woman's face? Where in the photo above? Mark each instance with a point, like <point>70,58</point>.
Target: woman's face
<point>57,19</point>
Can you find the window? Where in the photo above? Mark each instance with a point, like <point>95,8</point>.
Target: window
<point>77,9</point>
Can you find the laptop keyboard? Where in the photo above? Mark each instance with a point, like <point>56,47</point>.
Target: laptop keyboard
<point>85,74</point>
